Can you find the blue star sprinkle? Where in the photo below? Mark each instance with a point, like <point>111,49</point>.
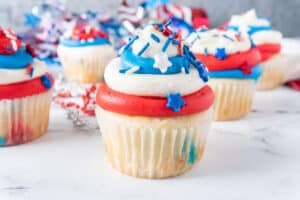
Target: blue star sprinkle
<point>175,102</point>
<point>221,53</point>
<point>46,81</point>
<point>32,20</point>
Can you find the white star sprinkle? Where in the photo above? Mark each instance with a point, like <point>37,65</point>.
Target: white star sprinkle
<point>162,62</point>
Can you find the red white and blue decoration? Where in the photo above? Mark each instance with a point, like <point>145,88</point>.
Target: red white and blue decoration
<point>9,42</point>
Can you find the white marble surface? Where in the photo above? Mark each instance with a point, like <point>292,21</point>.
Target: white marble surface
<point>256,157</point>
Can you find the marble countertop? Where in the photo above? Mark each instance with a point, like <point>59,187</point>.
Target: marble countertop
<point>256,157</point>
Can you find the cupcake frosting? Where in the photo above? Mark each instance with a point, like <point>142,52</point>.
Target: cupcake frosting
<point>84,35</point>
<point>259,28</point>
<point>156,69</point>
<point>155,66</point>
<point>227,54</point>
<point>19,66</point>
<point>209,41</point>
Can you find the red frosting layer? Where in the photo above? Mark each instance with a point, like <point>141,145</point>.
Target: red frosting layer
<point>23,89</point>
<point>241,60</point>
<point>122,103</point>
<point>268,50</point>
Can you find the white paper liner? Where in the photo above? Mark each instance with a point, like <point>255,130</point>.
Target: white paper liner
<point>24,119</point>
<point>86,64</point>
<point>154,147</point>
<point>274,72</point>
<point>291,50</point>
<point>233,98</point>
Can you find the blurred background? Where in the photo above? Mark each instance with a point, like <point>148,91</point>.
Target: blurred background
<point>284,14</point>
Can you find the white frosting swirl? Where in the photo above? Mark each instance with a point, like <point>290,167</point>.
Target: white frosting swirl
<point>9,76</point>
<point>263,37</point>
<point>209,41</point>
<point>154,47</point>
<point>151,85</point>
<point>251,19</point>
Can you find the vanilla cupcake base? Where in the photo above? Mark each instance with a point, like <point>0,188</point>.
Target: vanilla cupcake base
<point>154,147</point>
<point>233,97</point>
<point>273,73</point>
<point>24,119</point>
<point>85,64</point>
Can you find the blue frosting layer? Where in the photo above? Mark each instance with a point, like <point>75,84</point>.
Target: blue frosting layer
<point>78,43</point>
<point>18,60</point>
<point>237,73</point>
<point>252,29</point>
<point>178,63</point>
<point>129,60</point>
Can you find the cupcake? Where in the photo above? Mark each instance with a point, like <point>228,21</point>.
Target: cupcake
<point>154,109</point>
<point>234,68</point>
<point>84,52</point>
<point>25,92</point>
<point>268,41</point>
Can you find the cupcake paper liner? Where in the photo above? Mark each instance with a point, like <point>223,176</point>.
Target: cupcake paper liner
<point>233,98</point>
<point>274,73</point>
<point>24,119</point>
<point>154,147</point>
<point>83,65</point>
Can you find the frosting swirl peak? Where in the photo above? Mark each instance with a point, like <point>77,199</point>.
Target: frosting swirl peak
<point>155,62</point>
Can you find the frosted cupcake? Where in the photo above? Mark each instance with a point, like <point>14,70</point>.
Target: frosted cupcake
<point>25,92</point>
<point>268,41</point>
<point>84,53</point>
<point>154,109</point>
<point>233,69</point>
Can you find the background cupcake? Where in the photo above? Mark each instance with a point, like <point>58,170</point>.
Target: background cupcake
<point>25,92</point>
<point>84,53</point>
<point>154,110</point>
<point>268,41</point>
<point>233,69</point>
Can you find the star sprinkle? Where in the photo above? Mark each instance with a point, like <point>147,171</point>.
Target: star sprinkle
<point>175,102</point>
<point>221,53</point>
<point>32,20</point>
<point>162,62</point>
<point>46,81</point>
